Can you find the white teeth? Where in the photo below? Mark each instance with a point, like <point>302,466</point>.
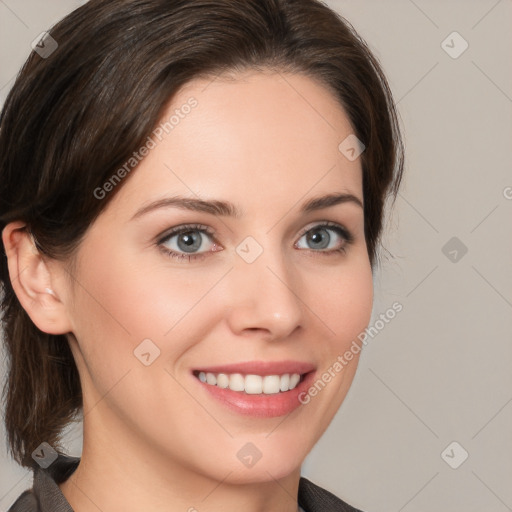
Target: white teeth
<point>222,380</point>
<point>294,380</point>
<point>252,384</point>
<point>236,382</point>
<point>285,383</point>
<point>271,384</point>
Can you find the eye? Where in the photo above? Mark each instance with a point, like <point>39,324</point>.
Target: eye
<point>189,241</point>
<point>326,237</point>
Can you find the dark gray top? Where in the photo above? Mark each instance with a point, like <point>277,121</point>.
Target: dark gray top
<point>45,495</point>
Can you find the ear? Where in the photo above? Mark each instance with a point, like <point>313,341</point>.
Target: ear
<point>31,279</point>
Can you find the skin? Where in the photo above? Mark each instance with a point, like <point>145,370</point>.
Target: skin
<point>153,439</point>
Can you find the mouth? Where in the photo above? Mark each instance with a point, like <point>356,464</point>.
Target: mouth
<point>262,389</point>
<point>252,384</point>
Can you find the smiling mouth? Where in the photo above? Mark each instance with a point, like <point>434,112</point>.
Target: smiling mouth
<point>252,384</point>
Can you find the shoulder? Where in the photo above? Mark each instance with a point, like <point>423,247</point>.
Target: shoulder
<point>27,502</point>
<point>313,498</point>
<point>45,495</point>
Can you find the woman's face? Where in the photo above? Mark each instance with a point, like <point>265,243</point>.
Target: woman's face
<point>169,282</point>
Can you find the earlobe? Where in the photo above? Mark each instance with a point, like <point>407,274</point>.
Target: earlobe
<point>31,280</point>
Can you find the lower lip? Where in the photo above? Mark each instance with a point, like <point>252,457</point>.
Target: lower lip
<point>263,406</point>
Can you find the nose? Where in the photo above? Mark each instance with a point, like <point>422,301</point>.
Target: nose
<point>265,299</point>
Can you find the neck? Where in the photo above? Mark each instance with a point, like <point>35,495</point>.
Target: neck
<point>117,473</point>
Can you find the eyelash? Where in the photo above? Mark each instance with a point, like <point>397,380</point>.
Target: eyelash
<point>341,231</point>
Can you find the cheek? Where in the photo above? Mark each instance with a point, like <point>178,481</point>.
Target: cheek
<point>344,305</point>
<point>355,297</point>
<point>343,301</point>
<point>123,300</point>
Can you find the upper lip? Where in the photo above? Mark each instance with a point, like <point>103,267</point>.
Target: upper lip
<point>260,368</point>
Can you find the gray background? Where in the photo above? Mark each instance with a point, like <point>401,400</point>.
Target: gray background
<point>440,371</point>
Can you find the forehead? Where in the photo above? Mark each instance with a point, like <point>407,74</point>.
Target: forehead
<point>253,138</point>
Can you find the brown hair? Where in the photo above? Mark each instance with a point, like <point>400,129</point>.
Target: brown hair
<point>73,118</point>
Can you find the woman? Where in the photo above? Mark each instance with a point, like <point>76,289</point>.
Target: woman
<point>191,204</point>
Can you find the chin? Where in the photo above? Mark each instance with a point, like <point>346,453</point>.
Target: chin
<point>263,472</point>
<point>249,461</point>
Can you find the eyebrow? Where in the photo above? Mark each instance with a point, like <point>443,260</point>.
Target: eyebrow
<point>224,208</point>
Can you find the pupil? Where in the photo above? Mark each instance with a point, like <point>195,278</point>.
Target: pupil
<point>189,242</point>
<point>320,238</point>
